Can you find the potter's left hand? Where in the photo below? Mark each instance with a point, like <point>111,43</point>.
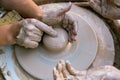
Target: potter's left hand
<point>53,17</point>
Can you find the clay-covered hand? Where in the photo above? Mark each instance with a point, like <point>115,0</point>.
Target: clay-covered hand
<point>60,15</point>
<point>64,71</point>
<point>31,32</point>
<point>107,8</point>
<point>103,73</point>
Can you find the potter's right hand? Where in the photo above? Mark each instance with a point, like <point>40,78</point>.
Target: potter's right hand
<point>64,71</point>
<point>31,32</point>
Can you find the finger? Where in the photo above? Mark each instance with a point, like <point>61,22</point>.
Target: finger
<point>56,74</point>
<point>64,71</point>
<point>43,27</point>
<point>71,27</point>
<point>71,70</point>
<point>66,26</point>
<point>65,23</point>
<point>31,28</point>
<point>116,2</point>
<point>59,68</point>
<point>72,24</point>
<point>69,36</point>
<point>33,37</point>
<point>63,10</point>
<point>39,33</point>
<point>29,44</point>
<point>96,5</point>
<point>71,33</point>
<point>73,38</point>
<point>74,32</point>
<point>75,26</point>
<point>35,30</point>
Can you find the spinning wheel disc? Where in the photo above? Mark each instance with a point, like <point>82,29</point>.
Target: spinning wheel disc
<point>39,62</point>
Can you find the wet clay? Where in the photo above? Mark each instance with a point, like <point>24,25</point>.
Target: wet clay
<point>56,43</point>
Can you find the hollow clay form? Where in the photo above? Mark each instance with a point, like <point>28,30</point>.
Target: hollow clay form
<point>56,43</point>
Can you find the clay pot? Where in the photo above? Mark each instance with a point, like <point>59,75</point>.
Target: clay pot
<point>56,43</point>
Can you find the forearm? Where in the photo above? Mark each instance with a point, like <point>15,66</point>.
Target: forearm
<point>8,33</point>
<point>27,8</point>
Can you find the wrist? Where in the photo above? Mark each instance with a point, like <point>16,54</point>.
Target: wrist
<point>7,35</point>
<point>39,15</point>
<point>14,30</point>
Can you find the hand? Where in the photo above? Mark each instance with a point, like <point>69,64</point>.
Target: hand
<point>64,71</point>
<point>53,17</point>
<point>31,32</point>
<point>107,8</point>
<point>70,25</point>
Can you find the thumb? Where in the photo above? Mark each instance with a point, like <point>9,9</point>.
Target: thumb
<point>59,11</point>
<point>63,10</point>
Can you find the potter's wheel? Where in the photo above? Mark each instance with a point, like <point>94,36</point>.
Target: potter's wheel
<point>105,53</point>
<point>39,62</point>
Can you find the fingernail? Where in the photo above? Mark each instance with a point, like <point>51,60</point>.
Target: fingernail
<point>67,61</point>
<point>54,68</point>
<point>70,3</point>
<point>59,66</point>
<point>54,33</point>
<point>74,32</point>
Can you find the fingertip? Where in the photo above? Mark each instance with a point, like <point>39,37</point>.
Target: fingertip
<point>66,9</point>
<point>54,68</point>
<point>72,39</point>
<point>69,37</point>
<point>68,64</point>
<point>55,71</point>
<point>53,33</point>
<point>61,61</point>
<point>74,32</point>
<point>59,67</point>
<point>67,61</point>
<point>70,3</point>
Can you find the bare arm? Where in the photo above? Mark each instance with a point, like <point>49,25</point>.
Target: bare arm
<point>8,33</point>
<point>27,8</point>
<point>27,33</point>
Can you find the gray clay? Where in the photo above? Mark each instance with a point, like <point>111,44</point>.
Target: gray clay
<point>56,43</point>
